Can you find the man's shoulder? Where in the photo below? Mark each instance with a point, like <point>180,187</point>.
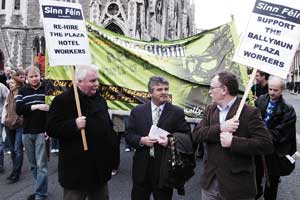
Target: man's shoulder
<point>141,106</point>
<point>65,95</point>
<point>25,89</point>
<point>174,107</point>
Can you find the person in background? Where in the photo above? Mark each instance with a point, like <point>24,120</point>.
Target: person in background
<point>30,102</point>
<point>230,144</point>
<point>280,119</point>
<point>54,145</point>
<point>3,94</point>
<point>261,85</point>
<point>13,126</point>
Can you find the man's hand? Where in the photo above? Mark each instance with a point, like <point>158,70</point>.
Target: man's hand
<point>147,141</point>
<point>81,122</point>
<point>230,125</point>
<point>42,107</point>
<point>163,141</point>
<point>226,139</point>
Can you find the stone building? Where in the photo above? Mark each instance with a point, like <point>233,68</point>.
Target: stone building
<point>293,82</point>
<point>22,40</point>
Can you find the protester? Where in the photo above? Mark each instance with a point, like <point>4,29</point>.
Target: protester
<point>30,103</point>
<point>147,160</point>
<point>5,75</point>
<point>13,126</point>
<point>83,173</point>
<point>280,119</point>
<point>3,94</point>
<point>261,85</point>
<point>260,88</point>
<point>230,144</point>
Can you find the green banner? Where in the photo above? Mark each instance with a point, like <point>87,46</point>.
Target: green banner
<point>125,66</point>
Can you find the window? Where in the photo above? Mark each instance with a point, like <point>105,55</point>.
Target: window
<point>17,4</point>
<point>3,4</point>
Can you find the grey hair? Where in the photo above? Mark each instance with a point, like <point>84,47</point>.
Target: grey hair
<point>82,70</point>
<point>278,79</point>
<point>156,80</point>
<point>32,68</point>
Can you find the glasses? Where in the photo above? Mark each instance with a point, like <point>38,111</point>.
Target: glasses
<point>212,87</point>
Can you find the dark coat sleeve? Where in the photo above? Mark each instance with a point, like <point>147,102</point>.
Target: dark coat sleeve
<point>21,107</point>
<point>206,132</point>
<point>61,121</point>
<point>258,142</point>
<point>132,137</point>
<point>283,128</point>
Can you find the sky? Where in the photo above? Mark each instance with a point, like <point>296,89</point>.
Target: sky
<point>212,13</point>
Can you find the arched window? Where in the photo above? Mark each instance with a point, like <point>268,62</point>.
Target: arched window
<point>43,45</point>
<point>17,4</point>
<point>2,4</point>
<point>36,46</point>
<point>114,28</point>
<point>1,61</point>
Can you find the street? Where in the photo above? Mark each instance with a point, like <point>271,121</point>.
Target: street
<point>120,185</point>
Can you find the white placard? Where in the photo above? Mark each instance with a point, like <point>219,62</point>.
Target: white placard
<point>65,33</point>
<point>271,38</point>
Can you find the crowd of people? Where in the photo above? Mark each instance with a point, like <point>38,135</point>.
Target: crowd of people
<point>242,156</point>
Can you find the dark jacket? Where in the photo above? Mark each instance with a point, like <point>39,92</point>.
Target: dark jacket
<point>79,169</point>
<point>140,121</point>
<point>233,167</point>
<point>34,121</point>
<point>282,126</point>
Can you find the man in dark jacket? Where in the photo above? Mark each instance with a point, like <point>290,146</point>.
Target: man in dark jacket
<point>261,85</point>
<point>30,102</point>
<point>83,173</point>
<point>148,157</point>
<point>231,144</point>
<point>280,119</point>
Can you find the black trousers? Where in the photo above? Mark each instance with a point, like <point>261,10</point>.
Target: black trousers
<point>143,190</point>
<point>100,194</point>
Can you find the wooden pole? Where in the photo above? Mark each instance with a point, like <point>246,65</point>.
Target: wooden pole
<point>85,146</point>
<point>252,77</point>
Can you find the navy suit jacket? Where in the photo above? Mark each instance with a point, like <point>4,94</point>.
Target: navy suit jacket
<point>172,120</point>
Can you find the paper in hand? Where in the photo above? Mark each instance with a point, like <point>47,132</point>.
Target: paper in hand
<point>155,132</point>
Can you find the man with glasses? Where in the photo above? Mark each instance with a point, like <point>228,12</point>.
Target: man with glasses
<point>230,144</point>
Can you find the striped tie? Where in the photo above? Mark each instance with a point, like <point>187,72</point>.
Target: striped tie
<point>157,113</point>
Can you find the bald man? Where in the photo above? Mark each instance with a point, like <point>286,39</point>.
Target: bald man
<point>280,119</point>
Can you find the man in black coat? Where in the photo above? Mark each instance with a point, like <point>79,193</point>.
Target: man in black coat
<point>83,173</point>
<point>147,160</point>
<point>280,119</point>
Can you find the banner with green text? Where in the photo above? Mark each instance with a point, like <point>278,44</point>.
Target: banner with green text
<point>125,66</point>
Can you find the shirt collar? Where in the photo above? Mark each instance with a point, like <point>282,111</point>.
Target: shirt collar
<point>228,106</point>
<point>153,106</point>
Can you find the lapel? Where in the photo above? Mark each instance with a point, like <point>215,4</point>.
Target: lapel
<point>164,114</point>
<point>233,109</point>
<point>148,114</point>
<point>215,115</point>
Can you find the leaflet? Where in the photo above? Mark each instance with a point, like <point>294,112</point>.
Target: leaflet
<point>156,132</point>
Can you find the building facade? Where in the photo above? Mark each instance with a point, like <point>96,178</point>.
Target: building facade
<point>22,39</point>
<point>293,81</point>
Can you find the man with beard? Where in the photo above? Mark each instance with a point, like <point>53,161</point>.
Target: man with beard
<point>147,160</point>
